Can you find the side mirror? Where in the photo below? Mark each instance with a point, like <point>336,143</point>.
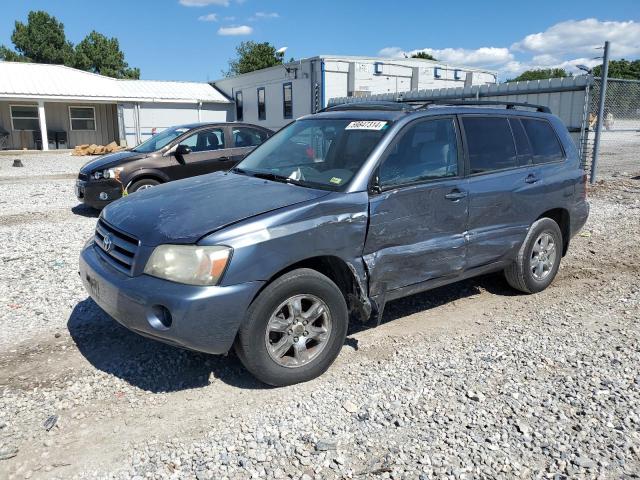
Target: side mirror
<point>374,186</point>
<point>183,150</point>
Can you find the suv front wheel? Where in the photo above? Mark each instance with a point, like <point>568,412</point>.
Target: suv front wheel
<point>539,257</point>
<point>294,329</point>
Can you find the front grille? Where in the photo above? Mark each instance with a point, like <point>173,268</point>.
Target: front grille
<point>122,250</point>
<point>83,176</point>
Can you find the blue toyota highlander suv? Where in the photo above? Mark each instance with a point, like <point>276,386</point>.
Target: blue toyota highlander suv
<point>335,215</point>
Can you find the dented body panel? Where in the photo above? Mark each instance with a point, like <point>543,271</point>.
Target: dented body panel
<point>415,235</point>
<point>266,244</point>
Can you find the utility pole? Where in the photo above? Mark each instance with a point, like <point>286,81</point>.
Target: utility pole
<point>600,122</point>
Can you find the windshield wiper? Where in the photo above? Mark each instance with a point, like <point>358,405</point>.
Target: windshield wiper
<point>239,171</point>
<point>275,177</point>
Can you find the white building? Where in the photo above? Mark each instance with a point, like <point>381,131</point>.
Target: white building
<point>53,106</point>
<point>274,96</point>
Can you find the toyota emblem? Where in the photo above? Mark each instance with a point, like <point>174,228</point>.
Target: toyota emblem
<point>107,243</point>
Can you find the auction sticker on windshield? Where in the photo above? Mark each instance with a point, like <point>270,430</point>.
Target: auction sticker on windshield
<point>366,125</point>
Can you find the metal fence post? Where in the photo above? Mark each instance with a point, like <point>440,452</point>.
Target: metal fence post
<point>600,120</point>
<point>584,125</point>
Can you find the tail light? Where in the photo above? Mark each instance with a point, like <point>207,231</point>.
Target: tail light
<point>583,193</point>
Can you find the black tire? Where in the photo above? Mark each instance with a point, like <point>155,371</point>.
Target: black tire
<point>251,345</point>
<point>519,274</point>
<point>142,183</point>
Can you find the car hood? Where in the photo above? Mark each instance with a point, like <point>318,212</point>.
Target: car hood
<point>111,160</point>
<point>186,210</point>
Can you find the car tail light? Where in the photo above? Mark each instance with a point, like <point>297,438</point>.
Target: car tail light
<point>583,193</point>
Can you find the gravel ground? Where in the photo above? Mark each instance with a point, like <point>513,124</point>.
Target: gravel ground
<point>618,152</point>
<point>40,164</point>
<point>467,381</point>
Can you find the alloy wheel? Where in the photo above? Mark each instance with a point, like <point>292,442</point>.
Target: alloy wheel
<point>543,256</point>
<point>298,330</point>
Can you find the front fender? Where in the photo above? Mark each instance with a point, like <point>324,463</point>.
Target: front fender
<point>335,225</point>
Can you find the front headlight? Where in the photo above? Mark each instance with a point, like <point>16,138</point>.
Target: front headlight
<point>190,264</point>
<point>109,173</point>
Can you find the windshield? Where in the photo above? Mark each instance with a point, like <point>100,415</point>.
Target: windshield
<point>320,153</point>
<point>160,140</point>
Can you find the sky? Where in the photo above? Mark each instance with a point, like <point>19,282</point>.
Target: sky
<point>194,39</point>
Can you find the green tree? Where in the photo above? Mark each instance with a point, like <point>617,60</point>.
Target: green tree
<point>628,69</point>
<point>41,39</point>
<point>424,56</point>
<point>540,74</point>
<point>253,56</point>
<point>99,54</point>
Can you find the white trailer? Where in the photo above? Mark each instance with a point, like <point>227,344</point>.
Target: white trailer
<point>275,96</point>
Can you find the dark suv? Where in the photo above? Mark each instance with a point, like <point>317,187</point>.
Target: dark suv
<point>334,216</point>
<point>177,152</point>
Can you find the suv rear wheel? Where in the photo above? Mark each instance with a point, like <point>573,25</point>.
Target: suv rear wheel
<point>294,330</point>
<point>539,257</point>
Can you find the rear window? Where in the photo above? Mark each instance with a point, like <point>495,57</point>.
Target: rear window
<point>490,144</point>
<point>544,142</point>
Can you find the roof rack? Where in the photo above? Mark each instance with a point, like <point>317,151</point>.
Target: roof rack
<point>369,105</point>
<point>410,104</point>
<point>479,103</point>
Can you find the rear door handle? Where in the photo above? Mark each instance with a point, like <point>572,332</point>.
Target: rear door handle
<point>455,195</point>
<point>531,178</point>
<point>223,159</point>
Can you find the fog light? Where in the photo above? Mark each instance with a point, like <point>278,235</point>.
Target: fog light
<point>160,317</point>
<point>103,196</point>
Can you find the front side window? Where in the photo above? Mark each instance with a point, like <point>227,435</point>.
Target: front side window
<point>427,150</point>
<point>287,100</point>
<point>247,137</point>
<point>82,118</point>
<point>490,144</point>
<point>239,107</point>
<point>205,140</point>
<point>319,153</point>
<point>24,117</point>
<point>544,142</point>
<point>262,109</point>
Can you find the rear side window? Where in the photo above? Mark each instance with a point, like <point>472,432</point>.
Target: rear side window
<point>490,144</point>
<point>544,142</point>
<point>247,137</point>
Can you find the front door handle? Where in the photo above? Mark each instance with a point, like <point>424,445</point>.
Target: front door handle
<point>223,159</point>
<point>531,178</point>
<point>455,195</point>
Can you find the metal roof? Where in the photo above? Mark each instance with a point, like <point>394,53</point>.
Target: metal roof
<point>413,62</point>
<point>58,82</point>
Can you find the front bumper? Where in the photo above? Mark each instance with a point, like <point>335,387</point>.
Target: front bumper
<point>205,319</point>
<point>88,192</point>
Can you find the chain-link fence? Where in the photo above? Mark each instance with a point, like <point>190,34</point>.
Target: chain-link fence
<point>619,153</point>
